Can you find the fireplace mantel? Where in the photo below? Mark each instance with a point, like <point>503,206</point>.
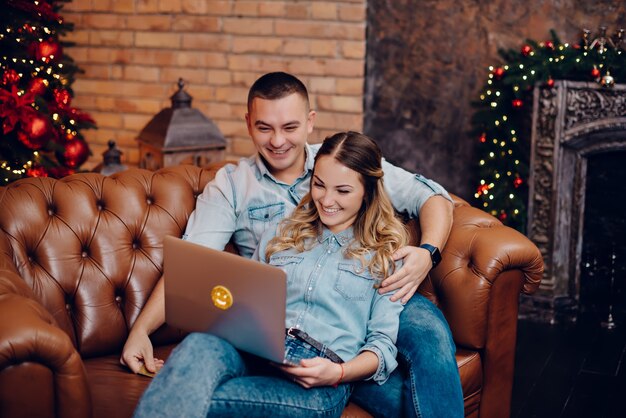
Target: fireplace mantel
<point>571,121</point>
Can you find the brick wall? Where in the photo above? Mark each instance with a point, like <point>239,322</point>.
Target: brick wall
<point>134,51</point>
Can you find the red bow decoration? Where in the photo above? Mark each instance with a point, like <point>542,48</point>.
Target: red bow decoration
<point>15,109</point>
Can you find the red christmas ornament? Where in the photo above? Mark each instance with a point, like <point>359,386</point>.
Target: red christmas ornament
<point>502,216</point>
<point>37,171</point>
<point>10,77</point>
<point>483,137</point>
<point>526,49</point>
<point>75,153</point>
<point>498,72</point>
<point>47,51</point>
<point>549,44</point>
<point>37,86</point>
<point>482,188</point>
<point>35,132</point>
<point>550,82</point>
<point>517,182</point>
<point>28,28</point>
<point>62,98</point>
<point>595,73</point>
<point>517,103</point>
<point>60,171</point>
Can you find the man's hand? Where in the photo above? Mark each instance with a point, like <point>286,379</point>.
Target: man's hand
<point>313,372</point>
<point>417,264</point>
<point>137,351</point>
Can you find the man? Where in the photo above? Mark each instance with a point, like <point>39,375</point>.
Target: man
<point>245,199</point>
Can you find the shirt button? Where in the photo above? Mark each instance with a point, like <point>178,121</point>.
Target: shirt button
<point>310,288</point>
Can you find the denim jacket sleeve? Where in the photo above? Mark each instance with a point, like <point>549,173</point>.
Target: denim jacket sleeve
<point>408,191</point>
<point>214,219</point>
<point>382,333</point>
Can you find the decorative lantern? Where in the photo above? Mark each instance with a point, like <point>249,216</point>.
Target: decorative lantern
<point>112,160</point>
<point>180,135</point>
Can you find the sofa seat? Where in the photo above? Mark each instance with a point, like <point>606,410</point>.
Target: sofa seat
<point>115,391</point>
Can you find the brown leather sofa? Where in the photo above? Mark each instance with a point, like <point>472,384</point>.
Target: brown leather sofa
<point>80,256</point>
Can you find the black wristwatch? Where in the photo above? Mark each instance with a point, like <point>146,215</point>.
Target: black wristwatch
<point>435,255</point>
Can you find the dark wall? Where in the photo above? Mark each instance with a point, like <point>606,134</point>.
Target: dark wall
<point>427,61</point>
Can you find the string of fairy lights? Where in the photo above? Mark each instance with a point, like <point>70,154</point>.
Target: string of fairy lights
<point>501,121</point>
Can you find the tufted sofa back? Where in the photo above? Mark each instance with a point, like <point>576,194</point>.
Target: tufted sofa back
<point>90,247</point>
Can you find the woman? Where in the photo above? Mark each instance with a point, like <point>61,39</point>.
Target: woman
<point>335,248</point>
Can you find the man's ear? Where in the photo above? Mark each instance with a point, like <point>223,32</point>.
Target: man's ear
<point>248,123</point>
<point>311,121</point>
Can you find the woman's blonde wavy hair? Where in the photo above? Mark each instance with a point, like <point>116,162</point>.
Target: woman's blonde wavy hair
<point>377,231</point>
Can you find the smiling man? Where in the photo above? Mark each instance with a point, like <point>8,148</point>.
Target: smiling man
<point>247,198</point>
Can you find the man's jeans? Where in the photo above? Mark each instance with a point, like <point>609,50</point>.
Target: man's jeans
<point>427,384</point>
<point>207,375</point>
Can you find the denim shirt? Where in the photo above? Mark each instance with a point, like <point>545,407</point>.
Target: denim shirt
<point>335,301</point>
<point>244,200</point>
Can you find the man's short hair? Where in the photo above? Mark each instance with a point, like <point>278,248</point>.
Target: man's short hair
<point>274,86</point>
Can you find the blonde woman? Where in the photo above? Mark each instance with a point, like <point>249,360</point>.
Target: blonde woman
<point>336,248</point>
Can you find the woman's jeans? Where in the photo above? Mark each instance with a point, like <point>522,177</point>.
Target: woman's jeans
<point>427,383</point>
<point>207,376</point>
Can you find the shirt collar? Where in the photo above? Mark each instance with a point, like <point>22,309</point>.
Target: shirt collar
<point>343,238</point>
<point>309,162</point>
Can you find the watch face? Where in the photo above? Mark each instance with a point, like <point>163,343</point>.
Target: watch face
<point>435,255</point>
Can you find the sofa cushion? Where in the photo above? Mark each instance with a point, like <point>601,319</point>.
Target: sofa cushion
<point>471,371</point>
<point>114,389</point>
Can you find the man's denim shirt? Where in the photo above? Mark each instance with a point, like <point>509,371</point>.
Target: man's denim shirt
<point>335,301</point>
<point>244,200</point>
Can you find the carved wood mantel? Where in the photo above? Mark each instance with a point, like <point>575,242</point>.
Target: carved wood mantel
<point>571,121</point>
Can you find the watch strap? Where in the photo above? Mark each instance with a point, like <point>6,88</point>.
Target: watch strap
<point>435,254</point>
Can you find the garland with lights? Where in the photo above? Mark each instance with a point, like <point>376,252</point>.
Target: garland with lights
<point>501,121</point>
<point>41,130</point>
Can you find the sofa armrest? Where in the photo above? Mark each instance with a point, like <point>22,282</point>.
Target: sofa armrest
<point>41,373</point>
<point>485,267</point>
<point>479,250</point>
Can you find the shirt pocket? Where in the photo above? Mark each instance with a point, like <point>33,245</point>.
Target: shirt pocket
<point>262,217</point>
<point>288,263</point>
<point>354,284</point>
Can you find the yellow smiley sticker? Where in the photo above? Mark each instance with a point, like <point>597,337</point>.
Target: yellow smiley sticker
<point>221,297</point>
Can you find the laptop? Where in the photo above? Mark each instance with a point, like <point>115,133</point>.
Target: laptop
<point>237,299</point>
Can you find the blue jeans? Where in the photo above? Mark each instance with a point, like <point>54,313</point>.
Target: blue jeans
<point>207,375</point>
<point>427,383</point>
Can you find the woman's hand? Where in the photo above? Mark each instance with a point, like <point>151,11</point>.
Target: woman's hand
<point>314,372</point>
<point>138,351</point>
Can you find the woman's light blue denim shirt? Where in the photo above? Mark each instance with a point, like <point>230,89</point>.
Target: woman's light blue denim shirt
<point>336,301</point>
<point>244,200</point>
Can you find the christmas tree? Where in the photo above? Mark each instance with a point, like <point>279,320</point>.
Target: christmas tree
<point>41,130</point>
<point>501,123</point>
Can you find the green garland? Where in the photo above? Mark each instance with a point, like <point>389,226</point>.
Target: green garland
<point>501,122</point>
